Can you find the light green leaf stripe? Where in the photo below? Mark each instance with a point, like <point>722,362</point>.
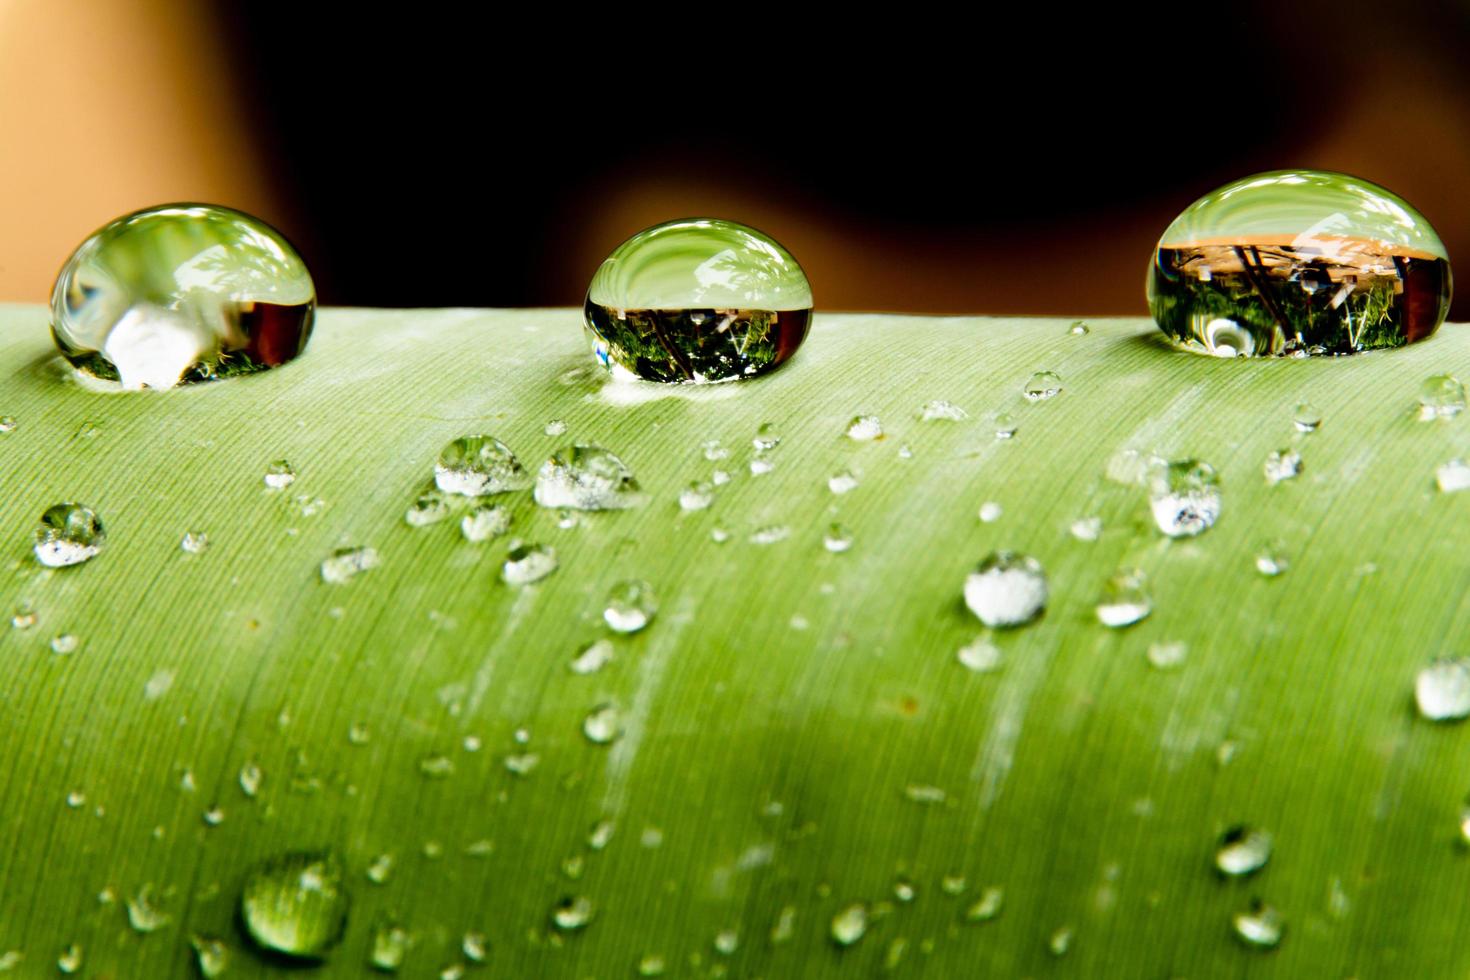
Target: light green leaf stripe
<point>789,711</point>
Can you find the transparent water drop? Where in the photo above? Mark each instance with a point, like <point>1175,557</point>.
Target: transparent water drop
<point>436,766</point>
<point>719,534</point>
<point>341,565</point>
<point>250,778</point>
<point>697,496</point>
<point>1060,941</point>
<point>1452,477</point>
<point>65,643</point>
<point>713,451</point>
<point>571,913</point>
<point>478,466</point>
<point>295,904</point>
<point>904,452</point>
<point>586,477</point>
<point>652,965</point>
<point>1243,850</point>
<point>719,478</point>
<point>24,617</point>
<point>1306,417</point>
<point>1006,589</point>
<point>979,655</point>
<point>454,971</point>
<point>843,481</point>
<point>760,466</point>
<point>864,428</point>
<point>942,411</point>
<point>145,911</point>
<point>987,906</point>
<point>921,793</point>
<point>837,539</point>
<point>1125,599</point>
<point>214,816</point>
<point>990,512</point>
<point>194,542</point>
<point>766,439</point>
<point>429,507</point>
<point>7,424</point>
<point>380,869</point>
<point>1184,496</point>
<point>1442,690</point>
<point>1441,397</point>
<point>358,733</point>
<point>1167,655</point>
<point>1283,464</point>
<point>484,522</point>
<point>603,725</point>
<point>727,941</point>
<point>76,799</point>
<point>593,657</point>
<point>1005,425</point>
<point>211,956</point>
<point>280,475</point>
<point>770,534</point>
<point>1271,559</point>
<point>1079,328</point>
<point>68,534</point>
<point>1086,528</point>
<point>1260,926</point>
<point>474,946</point>
<point>389,947</point>
<point>630,606</point>
<point>70,960</point>
<point>601,834</point>
<point>904,890</point>
<point>527,563</point>
<point>556,427</point>
<point>1465,824</point>
<point>850,924</point>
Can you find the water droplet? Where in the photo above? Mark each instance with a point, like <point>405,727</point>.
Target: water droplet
<point>389,947</point>
<point>478,466</point>
<point>474,946</point>
<point>770,534</point>
<point>837,539</point>
<point>295,904</point>
<point>1299,262</point>
<point>1184,496</point>
<point>76,799</point>
<point>904,890</point>
<point>65,643</point>
<point>145,911</point>
<point>760,466</point>
<point>24,616</point>
<point>1006,589</point>
<point>1124,600</point>
<point>527,563</point>
<point>1306,418</point>
<point>1243,850</point>
<point>719,478</point>
<point>556,427</point>
<point>454,971</point>
<point>630,605</point>
<point>1042,385</point>
<point>713,451</point>
<point>358,733</point>
<point>1465,824</point>
<point>429,507</point>
<point>156,687</point>
<point>1060,941</point>
<point>920,793</point>
<point>7,424</point>
<point>1283,464</point>
<point>194,542</point>
<point>211,956</point>
<point>1005,425</point>
<point>727,941</point>
<point>864,428</point>
<point>1442,690</point>
<point>593,657</point>
<point>942,411</point>
<point>1086,528</point>
<point>68,534</point>
<point>381,869</point>
<point>344,563</point>
<point>602,725</point>
<point>718,534</point>
<point>1260,927</point>
<point>1441,397</point>
<point>987,906</point>
<point>1079,328</point>
<point>1167,655</point>
<point>990,512</point>
<point>652,965</point>
<point>572,913</point>
<point>250,778</point>
<point>1453,476</point>
<point>850,924</point>
<point>1272,560</point>
<point>766,439</point>
<point>785,925</point>
<point>214,816</point>
<point>586,478</point>
<point>697,300</point>
<point>484,522</point>
<point>842,482</point>
<point>279,475</point>
<point>980,655</point>
<point>70,960</point>
<point>436,766</point>
<point>697,496</point>
<point>523,764</point>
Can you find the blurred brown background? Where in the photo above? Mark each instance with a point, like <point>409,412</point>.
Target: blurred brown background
<point>430,156</point>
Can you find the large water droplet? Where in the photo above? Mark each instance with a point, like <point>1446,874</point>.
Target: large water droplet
<point>1442,690</point>
<point>630,605</point>
<point>1283,464</point>
<point>279,475</point>
<point>68,534</point>
<point>1042,385</point>
<point>1441,397</point>
<point>573,912</point>
<point>1243,850</point>
<point>295,904</point>
<point>602,726</point>
<point>477,466</point>
<point>850,924</point>
<point>586,478</point>
<point>484,522</point>
<point>344,563</point>
<point>1260,927</point>
<point>1184,496</point>
<point>527,563</point>
<point>1125,600</point>
<point>1006,589</point>
<point>864,428</point>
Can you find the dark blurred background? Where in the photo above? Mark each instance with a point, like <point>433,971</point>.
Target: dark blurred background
<point>437,155</point>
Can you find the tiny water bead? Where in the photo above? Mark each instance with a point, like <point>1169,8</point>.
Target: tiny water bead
<point>697,496</point>
<point>1298,262</point>
<point>603,724</point>
<point>194,542</point>
<point>695,301</point>
<point>980,656</point>
<point>1442,690</point>
<point>1243,850</point>
<point>1282,464</point>
<point>1307,417</point>
<point>630,605</point>
<point>211,956</point>
<point>341,565</point>
<point>843,481</point>
<point>1184,496</point>
<point>484,522</point>
<point>1260,926</point>
<point>942,411</point>
<point>572,913</point>
<point>586,477</point>
<point>1124,600</point>
<point>296,904</point>
<point>1042,385</point>
<point>1005,425</point>
<point>837,539</point>
<point>527,563</point>
<point>429,507</point>
<point>850,924</point>
<point>1272,559</point>
<point>1452,477</point>
<point>864,428</point>
<point>279,475</point>
<point>478,466</point>
<point>182,293</point>
<point>1441,397</point>
<point>68,534</point>
<point>1006,589</point>
<point>7,424</point>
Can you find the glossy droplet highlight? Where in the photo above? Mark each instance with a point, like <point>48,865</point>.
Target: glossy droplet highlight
<point>942,411</point>
<point>1298,262</point>
<point>1271,559</point>
<point>1124,600</point>
<point>1184,497</point>
<point>1441,397</point>
<point>429,507</point>
<point>837,539</point>
<point>1452,477</point>
<point>478,466</point>
<point>630,605</point>
<point>194,542</point>
<point>182,293</point>
<point>211,956</point>
<point>527,563</point>
<point>586,477</point>
<point>68,534</point>
<point>279,475</point>
<point>389,947</point>
<point>697,496</point>
<point>1442,690</point>
<point>864,428</point>
<point>695,301</point>
<point>593,657</point>
<point>1283,464</point>
<point>342,565</point>
<point>572,913</point>
<point>1243,851</point>
<point>296,905</point>
<point>1306,417</point>
<point>1006,589</point>
<point>1042,385</point>
<point>484,522</point>
<point>1260,926</point>
<point>850,924</point>
<point>979,655</point>
<point>843,481</point>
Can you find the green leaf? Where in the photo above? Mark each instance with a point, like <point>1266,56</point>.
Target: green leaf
<point>797,742</point>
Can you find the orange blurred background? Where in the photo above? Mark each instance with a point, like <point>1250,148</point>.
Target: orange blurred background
<point>441,157</point>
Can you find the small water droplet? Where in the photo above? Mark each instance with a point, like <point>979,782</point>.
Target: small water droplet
<point>1167,655</point>
<point>602,725</point>
<point>921,793</point>
<point>1006,589</point>
<point>593,657</point>
<point>586,477</point>
<point>1125,600</point>
<point>761,465</point>
<point>478,466</point>
<point>1260,927</point>
<point>987,906</point>
<point>601,834</point>
<point>1283,464</point>
<point>250,778</point>
<point>1306,418</point>
<point>474,946</point>
<point>942,411</point>
<point>1086,528</point>
<point>522,764</point>
<point>770,534</point>
<point>556,427</point>
<point>436,766</point>
<point>1441,397</point>
<point>850,924</point>
<point>980,655</point>
<point>430,507</point>
<point>381,869</point>
<point>990,512</point>
<point>145,911</point>
<point>1243,851</point>
<point>527,563</point>
<point>904,452</point>
<point>1453,476</point>
<point>194,542</point>
<point>1184,496</point>
<point>651,965</point>
<point>1060,941</point>
<point>629,606</point>
<point>719,534</point>
<point>842,482</point>
<point>344,563</point>
<point>70,960</point>
<point>484,522</point>
<point>7,424</point>
<point>651,837</point>
<point>719,478</point>
<point>727,941</point>
<point>214,816</point>
<point>389,947</point>
<point>572,913</point>
<point>1005,425</point>
<point>864,428</point>
<point>1465,824</point>
<point>1079,328</point>
<point>1042,385</point>
<point>211,956</point>
<point>697,496</point>
<point>65,643</point>
<point>24,616</point>
<point>766,439</point>
<point>68,534</point>
<point>295,904</point>
<point>280,475</point>
<point>75,799</point>
<point>1442,690</point>
<point>837,539</point>
<point>358,733</point>
<point>904,890</point>
<point>156,687</point>
<point>714,452</point>
<point>1272,560</point>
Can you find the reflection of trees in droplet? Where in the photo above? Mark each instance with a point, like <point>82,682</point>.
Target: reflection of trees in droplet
<point>750,271</point>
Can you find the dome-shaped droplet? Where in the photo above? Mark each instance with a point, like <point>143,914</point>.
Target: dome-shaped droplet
<point>1124,599</point>
<point>630,605</point>
<point>1184,496</point>
<point>1243,850</point>
<point>697,300</point>
<point>1441,396</point>
<point>850,924</point>
<point>180,293</point>
<point>68,534</point>
<point>296,904</point>
<point>1006,589</point>
<point>1261,926</point>
<point>527,563</point>
<point>1442,690</point>
<point>586,478</point>
<point>1299,262</point>
<point>477,466</point>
